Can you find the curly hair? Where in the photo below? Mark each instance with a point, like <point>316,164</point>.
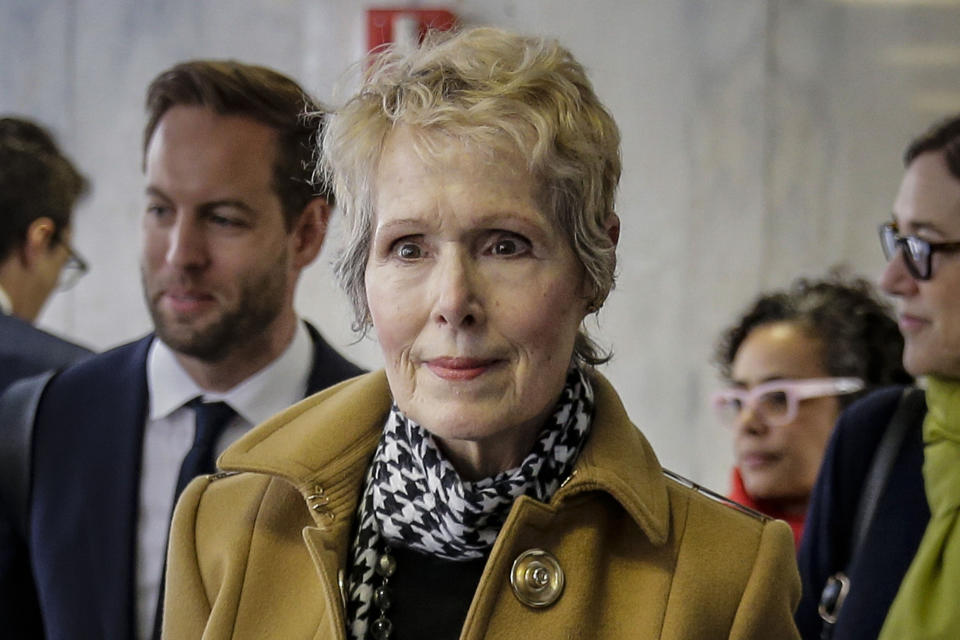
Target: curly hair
<point>856,330</point>
<point>487,89</point>
<point>36,181</point>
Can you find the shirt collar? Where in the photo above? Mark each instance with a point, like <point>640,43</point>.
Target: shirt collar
<point>280,384</point>
<point>6,304</point>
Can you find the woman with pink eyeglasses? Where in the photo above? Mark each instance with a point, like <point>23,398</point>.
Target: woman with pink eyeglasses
<point>793,361</point>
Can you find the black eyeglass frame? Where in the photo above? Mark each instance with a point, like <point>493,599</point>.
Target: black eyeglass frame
<point>917,252</point>
<point>73,269</point>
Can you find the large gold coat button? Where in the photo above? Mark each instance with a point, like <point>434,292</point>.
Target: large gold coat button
<point>536,578</point>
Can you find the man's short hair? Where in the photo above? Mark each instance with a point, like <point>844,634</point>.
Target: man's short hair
<point>942,136</point>
<point>36,181</point>
<point>229,87</point>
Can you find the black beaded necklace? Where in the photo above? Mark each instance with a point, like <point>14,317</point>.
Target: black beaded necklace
<point>381,628</point>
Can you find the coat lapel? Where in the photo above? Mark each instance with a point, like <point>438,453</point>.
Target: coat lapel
<point>322,446</point>
<point>619,460</point>
<point>326,558</point>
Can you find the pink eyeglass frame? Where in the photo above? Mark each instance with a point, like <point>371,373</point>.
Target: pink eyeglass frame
<point>795,390</point>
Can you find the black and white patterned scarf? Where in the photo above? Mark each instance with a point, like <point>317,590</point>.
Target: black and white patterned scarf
<point>415,499</point>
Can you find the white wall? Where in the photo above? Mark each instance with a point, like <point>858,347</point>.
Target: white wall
<point>761,140</point>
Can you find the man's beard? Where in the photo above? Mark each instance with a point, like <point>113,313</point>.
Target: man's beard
<point>260,302</point>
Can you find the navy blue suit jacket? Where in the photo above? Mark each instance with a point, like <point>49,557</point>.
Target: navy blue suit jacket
<point>24,351</point>
<point>893,536</point>
<point>86,479</point>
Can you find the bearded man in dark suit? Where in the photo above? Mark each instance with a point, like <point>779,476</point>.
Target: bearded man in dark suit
<point>230,220</point>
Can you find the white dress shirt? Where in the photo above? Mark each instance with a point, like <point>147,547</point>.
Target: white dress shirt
<point>168,435</point>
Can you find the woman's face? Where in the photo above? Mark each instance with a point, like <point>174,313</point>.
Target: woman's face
<point>928,311</point>
<point>476,298</point>
<point>781,463</point>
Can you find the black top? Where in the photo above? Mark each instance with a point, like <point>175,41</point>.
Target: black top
<point>894,534</point>
<point>431,596</point>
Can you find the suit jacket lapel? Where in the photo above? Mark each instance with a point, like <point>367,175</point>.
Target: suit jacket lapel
<point>130,413</point>
<point>329,367</point>
<point>86,493</point>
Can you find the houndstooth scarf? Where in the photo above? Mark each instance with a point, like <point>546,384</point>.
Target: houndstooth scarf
<point>414,498</point>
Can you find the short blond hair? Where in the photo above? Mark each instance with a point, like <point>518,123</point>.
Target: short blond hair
<point>486,88</point>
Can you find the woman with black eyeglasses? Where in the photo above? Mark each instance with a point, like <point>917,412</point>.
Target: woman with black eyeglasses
<point>882,555</point>
<point>792,362</point>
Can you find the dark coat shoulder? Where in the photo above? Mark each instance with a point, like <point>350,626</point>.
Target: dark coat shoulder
<point>899,520</point>
<point>26,350</point>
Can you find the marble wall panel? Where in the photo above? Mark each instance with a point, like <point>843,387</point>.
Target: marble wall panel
<point>725,222</point>
<point>761,141</point>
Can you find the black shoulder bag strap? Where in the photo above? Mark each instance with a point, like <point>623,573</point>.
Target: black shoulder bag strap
<point>909,410</point>
<point>18,409</point>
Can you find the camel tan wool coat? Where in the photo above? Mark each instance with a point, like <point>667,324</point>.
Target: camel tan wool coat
<point>261,553</point>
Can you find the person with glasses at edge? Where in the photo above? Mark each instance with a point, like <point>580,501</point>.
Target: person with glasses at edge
<point>39,188</point>
<point>793,360</point>
<point>898,572</point>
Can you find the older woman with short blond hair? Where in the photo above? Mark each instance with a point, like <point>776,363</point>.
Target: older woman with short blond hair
<point>487,483</point>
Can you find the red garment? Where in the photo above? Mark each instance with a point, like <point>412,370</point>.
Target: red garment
<point>739,494</point>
